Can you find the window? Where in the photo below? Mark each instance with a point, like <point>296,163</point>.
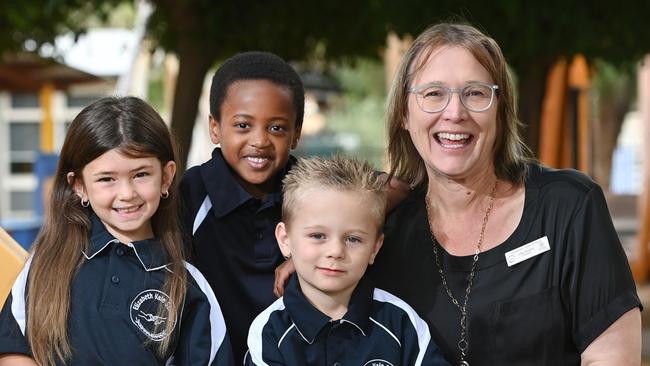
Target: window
<point>81,100</point>
<point>26,100</point>
<point>21,201</point>
<point>24,144</point>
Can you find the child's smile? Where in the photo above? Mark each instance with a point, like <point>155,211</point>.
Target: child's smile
<point>128,212</point>
<point>258,162</point>
<point>256,132</point>
<point>124,192</point>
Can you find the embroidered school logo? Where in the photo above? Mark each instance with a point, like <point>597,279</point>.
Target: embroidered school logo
<point>145,309</point>
<point>378,362</point>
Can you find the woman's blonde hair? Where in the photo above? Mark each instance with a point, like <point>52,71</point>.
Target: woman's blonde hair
<point>135,129</point>
<point>511,155</point>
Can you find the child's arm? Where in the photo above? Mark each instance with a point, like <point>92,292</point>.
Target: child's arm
<point>396,191</point>
<point>418,348</point>
<point>282,274</point>
<point>263,347</point>
<point>16,360</point>
<point>433,356</point>
<point>14,347</point>
<point>248,360</point>
<point>202,337</point>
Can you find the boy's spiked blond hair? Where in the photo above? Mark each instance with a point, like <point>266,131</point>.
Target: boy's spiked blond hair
<point>345,174</point>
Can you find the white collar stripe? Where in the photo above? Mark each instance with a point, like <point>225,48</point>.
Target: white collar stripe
<point>202,214</point>
<point>387,331</point>
<point>358,327</point>
<point>144,265</point>
<point>98,251</point>
<point>303,337</point>
<point>293,325</point>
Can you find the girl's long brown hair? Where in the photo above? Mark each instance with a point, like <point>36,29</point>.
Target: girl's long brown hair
<point>134,128</point>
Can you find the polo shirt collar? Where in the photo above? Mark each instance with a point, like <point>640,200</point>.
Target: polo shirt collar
<point>223,187</point>
<point>360,304</point>
<point>310,321</point>
<point>150,252</point>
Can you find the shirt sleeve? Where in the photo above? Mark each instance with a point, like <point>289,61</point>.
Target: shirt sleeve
<point>417,346</point>
<point>186,212</point>
<point>13,319</point>
<point>263,347</point>
<point>598,282</point>
<point>202,338</point>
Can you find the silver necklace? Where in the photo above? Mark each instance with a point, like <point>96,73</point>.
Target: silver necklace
<point>463,344</point>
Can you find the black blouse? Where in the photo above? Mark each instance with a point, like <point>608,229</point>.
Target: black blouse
<point>542,311</point>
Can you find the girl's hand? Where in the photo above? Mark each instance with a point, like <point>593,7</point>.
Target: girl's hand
<point>282,274</point>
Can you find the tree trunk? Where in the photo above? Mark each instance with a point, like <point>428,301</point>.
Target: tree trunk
<point>193,66</point>
<point>532,81</point>
<point>195,56</point>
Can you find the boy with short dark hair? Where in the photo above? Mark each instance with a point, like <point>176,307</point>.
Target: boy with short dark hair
<point>233,201</point>
<point>330,314</point>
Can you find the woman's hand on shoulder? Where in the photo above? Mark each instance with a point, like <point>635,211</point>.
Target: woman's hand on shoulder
<point>16,360</point>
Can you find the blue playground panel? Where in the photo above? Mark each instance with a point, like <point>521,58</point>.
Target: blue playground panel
<point>23,231</point>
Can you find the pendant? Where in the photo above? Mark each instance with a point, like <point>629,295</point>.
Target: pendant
<point>463,363</point>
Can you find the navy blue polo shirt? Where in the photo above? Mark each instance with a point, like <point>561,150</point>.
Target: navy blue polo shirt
<point>378,329</point>
<point>113,316</point>
<point>233,241</point>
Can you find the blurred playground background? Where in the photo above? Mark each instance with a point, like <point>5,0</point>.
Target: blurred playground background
<point>582,72</point>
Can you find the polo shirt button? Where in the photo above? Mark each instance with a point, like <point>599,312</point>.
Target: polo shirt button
<point>120,251</point>
<point>260,236</point>
<point>115,279</point>
<point>336,364</point>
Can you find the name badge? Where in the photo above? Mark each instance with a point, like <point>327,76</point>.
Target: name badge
<point>527,251</point>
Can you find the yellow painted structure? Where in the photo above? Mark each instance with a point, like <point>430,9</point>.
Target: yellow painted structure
<point>553,112</point>
<point>580,80</point>
<point>12,259</point>
<point>556,143</point>
<point>47,122</point>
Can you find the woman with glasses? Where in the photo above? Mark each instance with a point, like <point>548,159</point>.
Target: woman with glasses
<point>509,262</point>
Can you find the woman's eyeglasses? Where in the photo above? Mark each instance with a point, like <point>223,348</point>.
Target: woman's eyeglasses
<point>433,98</point>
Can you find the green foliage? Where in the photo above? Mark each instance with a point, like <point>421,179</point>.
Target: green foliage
<point>611,80</point>
<point>202,32</point>
<point>40,21</point>
<point>155,96</point>
<point>360,109</point>
<point>292,29</point>
<point>533,32</point>
<point>362,79</point>
<point>615,84</point>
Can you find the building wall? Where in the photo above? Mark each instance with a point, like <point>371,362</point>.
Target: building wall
<point>20,142</point>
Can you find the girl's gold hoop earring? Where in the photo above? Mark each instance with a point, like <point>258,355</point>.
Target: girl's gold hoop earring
<point>164,195</point>
<point>85,203</point>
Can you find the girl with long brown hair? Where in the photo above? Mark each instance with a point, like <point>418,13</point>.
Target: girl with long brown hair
<point>106,282</point>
